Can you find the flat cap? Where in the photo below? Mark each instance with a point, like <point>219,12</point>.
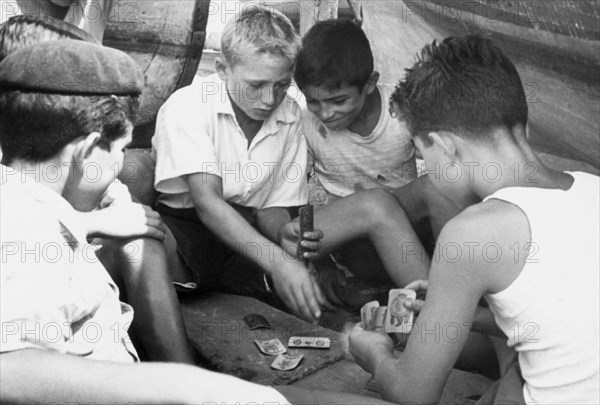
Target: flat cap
<point>71,67</point>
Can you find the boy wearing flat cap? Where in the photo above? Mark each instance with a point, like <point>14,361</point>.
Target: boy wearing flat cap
<point>129,235</point>
<point>59,309</point>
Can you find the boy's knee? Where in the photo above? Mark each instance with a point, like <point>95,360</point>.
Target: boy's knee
<point>378,205</point>
<point>130,255</point>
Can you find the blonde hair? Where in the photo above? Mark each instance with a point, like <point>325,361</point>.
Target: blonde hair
<point>259,30</point>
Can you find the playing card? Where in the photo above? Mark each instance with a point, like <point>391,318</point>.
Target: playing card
<point>379,320</point>
<point>399,319</point>
<point>286,362</point>
<point>310,342</point>
<point>367,314</point>
<point>271,347</point>
<point>256,321</point>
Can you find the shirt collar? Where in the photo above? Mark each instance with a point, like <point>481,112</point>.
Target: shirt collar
<point>222,103</point>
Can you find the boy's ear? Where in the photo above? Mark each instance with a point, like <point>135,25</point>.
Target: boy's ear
<point>372,82</point>
<point>444,142</point>
<point>86,146</point>
<point>221,68</point>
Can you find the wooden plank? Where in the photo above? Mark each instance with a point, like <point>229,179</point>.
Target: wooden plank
<point>559,69</point>
<point>226,344</point>
<point>166,39</point>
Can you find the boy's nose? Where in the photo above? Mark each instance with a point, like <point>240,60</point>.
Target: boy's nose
<point>268,96</point>
<point>326,113</point>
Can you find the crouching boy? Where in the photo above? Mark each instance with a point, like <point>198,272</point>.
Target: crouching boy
<point>231,161</point>
<point>512,245</point>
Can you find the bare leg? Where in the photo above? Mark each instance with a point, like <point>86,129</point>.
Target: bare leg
<point>375,215</point>
<point>140,267</point>
<point>427,208</point>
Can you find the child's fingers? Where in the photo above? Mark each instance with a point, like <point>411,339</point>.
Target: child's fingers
<point>414,305</point>
<point>155,233</point>
<point>315,235</point>
<point>310,256</point>
<point>302,306</point>
<point>321,297</point>
<point>418,285</point>
<point>310,245</point>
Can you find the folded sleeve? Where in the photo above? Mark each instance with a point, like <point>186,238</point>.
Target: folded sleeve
<point>182,143</point>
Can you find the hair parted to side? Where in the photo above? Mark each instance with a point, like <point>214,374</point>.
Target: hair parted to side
<point>258,29</point>
<point>463,84</point>
<point>334,52</point>
<point>36,127</point>
<point>21,31</point>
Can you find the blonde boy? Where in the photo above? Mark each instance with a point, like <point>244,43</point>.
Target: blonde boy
<point>231,161</point>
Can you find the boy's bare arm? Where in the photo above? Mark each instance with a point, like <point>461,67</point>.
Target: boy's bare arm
<point>123,221</point>
<point>270,221</point>
<point>37,376</point>
<point>455,288</point>
<point>293,282</point>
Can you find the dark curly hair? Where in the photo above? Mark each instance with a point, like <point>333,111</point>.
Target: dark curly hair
<point>463,84</point>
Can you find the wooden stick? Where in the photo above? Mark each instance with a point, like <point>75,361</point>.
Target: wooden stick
<point>306,220</point>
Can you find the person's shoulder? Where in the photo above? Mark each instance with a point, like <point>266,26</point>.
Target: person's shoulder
<point>481,242</point>
<point>23,217</point>
<point>290,104</point>
<point>486,231</point>
<point>203,90</point>
<point>490,218</point>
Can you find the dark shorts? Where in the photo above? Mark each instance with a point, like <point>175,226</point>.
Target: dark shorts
<point>211,264</point>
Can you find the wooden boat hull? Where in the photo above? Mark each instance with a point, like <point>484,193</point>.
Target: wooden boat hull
<point>166,39</point>
<point>555,45</point>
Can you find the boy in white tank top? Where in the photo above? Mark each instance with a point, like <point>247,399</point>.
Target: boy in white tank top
<point>530,248</point>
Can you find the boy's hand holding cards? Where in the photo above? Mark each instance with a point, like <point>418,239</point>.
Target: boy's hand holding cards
<point>395,318</point>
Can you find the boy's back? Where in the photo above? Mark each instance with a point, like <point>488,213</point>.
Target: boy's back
<point>551,309</point>
<point>69,291</point>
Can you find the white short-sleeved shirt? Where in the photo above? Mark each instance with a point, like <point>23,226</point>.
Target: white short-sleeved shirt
<point>343,162</point>
<point>55,294</point>
<point>197,132</point>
